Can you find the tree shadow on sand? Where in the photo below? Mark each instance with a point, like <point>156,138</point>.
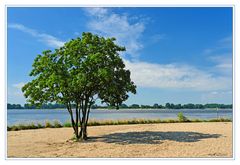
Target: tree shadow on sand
<point>149,137</point>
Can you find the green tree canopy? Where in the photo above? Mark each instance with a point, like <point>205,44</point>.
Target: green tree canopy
<point>81,71</point>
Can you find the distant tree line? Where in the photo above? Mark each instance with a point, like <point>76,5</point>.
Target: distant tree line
<point>14,106</point>
<point>169,106</point>
<point>124,106</point>
<point>28,106</point>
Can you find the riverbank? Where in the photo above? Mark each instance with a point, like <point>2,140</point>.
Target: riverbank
<point>165,140</point>
<point>57,124</point>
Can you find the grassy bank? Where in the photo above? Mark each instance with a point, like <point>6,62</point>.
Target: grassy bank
<point>57,124</point>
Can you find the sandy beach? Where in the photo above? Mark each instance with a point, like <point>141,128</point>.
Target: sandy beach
<point>165,140</point>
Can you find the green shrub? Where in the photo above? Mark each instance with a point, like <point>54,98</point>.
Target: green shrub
<point>94,123</point>
<point>159,120</point>
<point>48,124</point>
<point>67,124</point>
<point>14,128</point>
<point>170,121</point>
<point>57,124</point>
<point>40,125</point>
<point>197,120</point>
<point>33,126</point>
<point>22,127</point>
<point>182,118</point>
<point>220,120</point>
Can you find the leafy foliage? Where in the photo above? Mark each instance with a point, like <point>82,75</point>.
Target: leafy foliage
<point>182,118</point>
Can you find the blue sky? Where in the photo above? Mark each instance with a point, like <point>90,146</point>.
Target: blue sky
<point>177,55</point>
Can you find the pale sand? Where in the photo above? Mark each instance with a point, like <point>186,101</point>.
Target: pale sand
<point>145,140</point>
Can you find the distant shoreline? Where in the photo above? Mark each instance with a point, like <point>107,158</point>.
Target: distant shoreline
<point>125,109</point>
<point>124,106</point>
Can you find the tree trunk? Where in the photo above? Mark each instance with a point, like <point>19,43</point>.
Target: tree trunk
<point>72,121</point>
<point>86,122</point>
<point>83,132</point>
<point>76,124</point>
<point>84,107</point>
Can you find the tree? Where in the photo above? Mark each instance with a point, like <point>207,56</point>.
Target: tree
<point>123,106</point>
<point>78,73</point>
<point>134,106</point>
<point>155,105</point>
<point>168,106</point>
<point>177,106</point>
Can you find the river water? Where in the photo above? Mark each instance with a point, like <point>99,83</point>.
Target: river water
<point>25,116</point>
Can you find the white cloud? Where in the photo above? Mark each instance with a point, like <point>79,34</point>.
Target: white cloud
<point>157,37</point>
<point>109,24</point>
<point>19,85</point>
<point>221,56</point>
<point>97,11</point>
<point>227,41</point>
<point>45,38</point>
<point>222,44</point>
<point>223,64</point>
<point>15,94</point>
<point>220,92</point>
<point>17,90</point>
<point>217,96</point>
<point>174,76</point>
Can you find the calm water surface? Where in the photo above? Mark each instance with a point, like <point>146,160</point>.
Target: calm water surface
<point>17,116</point>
